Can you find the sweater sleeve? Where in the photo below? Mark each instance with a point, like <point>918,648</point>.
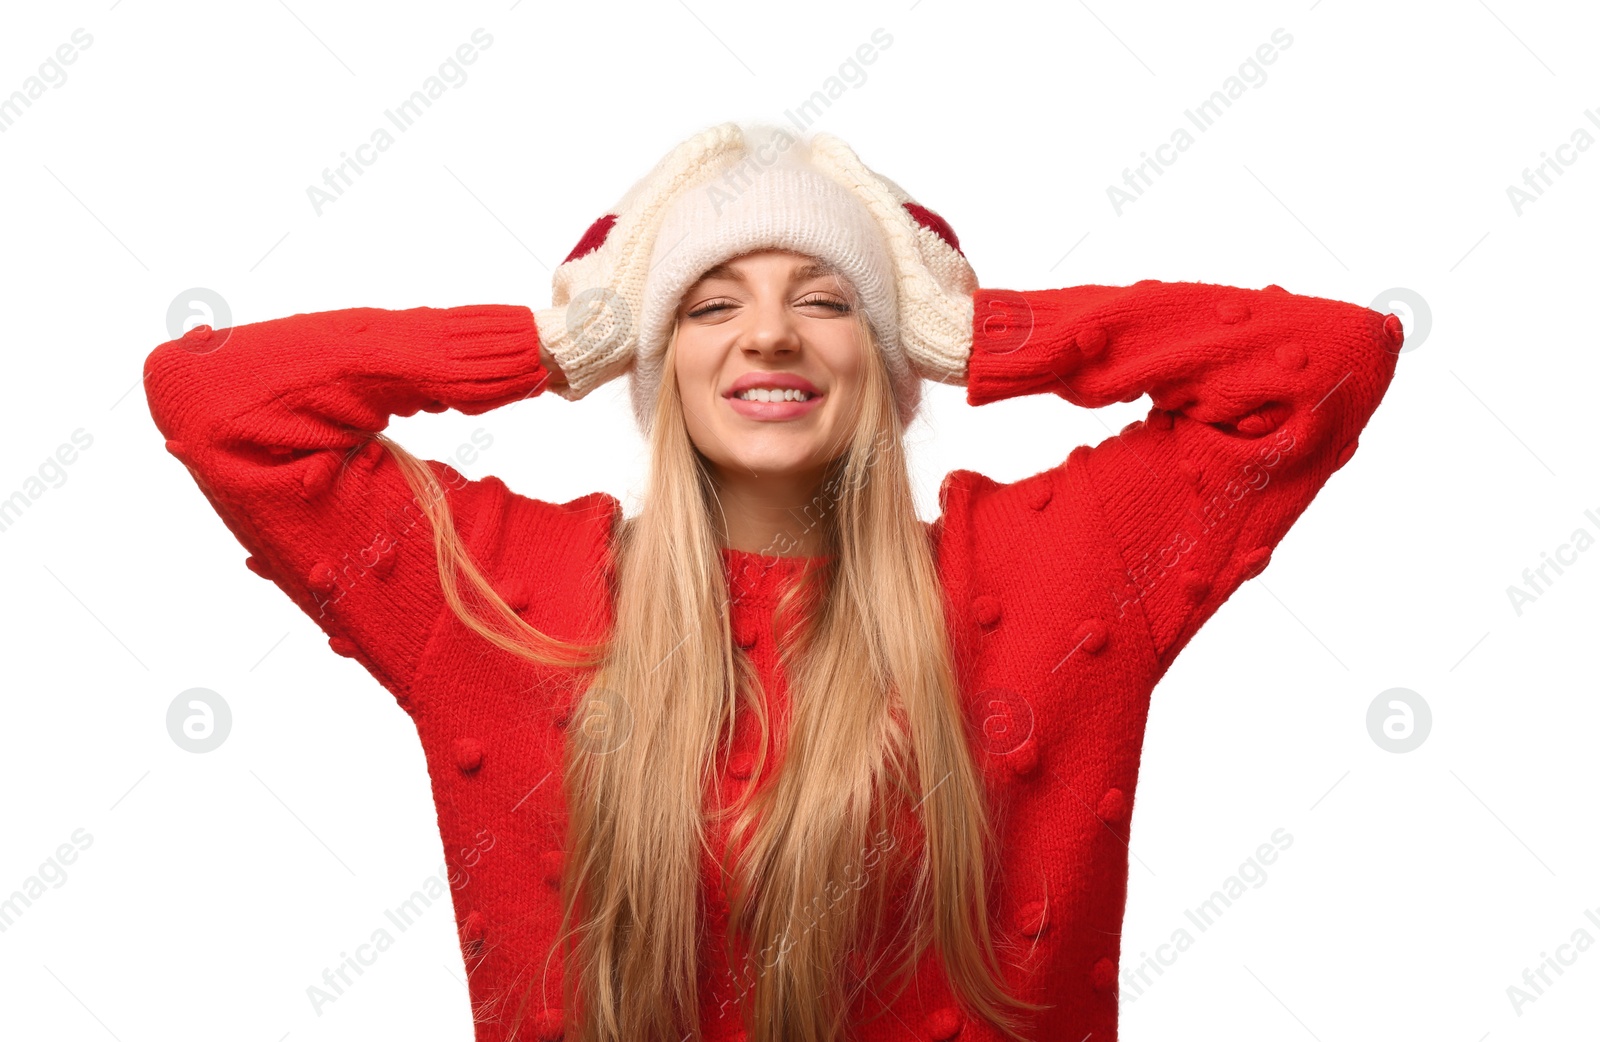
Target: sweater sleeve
<point>1258,397</point>
<point>275,422</point>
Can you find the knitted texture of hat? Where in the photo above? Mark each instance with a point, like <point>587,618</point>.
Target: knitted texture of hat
<point>591,325</point>
<point>594,326</point>
<point>784,205</point>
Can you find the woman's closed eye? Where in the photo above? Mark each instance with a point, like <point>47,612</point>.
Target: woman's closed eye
<point>840,306</point>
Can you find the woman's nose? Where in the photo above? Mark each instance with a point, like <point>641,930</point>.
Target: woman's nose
<point>772,331</point>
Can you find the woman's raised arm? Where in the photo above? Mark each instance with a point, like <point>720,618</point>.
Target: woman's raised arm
<point>1258,397</point>
<point>275,421</point>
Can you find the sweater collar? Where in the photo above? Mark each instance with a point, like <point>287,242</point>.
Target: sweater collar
<point>762,578</point>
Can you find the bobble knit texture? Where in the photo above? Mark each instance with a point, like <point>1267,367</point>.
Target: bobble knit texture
<point>1069,592</point>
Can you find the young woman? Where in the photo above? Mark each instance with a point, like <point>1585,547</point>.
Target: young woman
<point>774,759</point>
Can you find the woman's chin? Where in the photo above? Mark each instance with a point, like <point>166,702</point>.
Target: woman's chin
<point>779,458</point>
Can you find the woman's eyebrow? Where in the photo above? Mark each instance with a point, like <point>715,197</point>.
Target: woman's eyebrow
<point>814,270</point>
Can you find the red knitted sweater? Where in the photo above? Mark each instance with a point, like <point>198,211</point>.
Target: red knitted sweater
<point>1068,593</point>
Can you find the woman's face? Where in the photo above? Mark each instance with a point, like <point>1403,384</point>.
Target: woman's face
<point>769,364</point>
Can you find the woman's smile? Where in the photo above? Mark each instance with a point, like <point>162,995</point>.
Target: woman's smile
<point>773,396</point>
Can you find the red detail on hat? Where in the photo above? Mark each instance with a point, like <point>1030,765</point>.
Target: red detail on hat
<point>934,223</point>
<point>593,238</point>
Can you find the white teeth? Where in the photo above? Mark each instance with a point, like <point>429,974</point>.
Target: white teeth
<point>764,394</point>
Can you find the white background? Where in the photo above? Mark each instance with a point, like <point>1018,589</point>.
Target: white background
<point>1376,154</point>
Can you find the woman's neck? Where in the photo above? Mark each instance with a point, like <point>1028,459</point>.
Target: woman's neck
<point>778,515</point>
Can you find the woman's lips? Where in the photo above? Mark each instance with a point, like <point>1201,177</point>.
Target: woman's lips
<point>773,410</point>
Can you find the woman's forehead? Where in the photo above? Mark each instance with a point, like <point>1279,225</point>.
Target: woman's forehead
<point>800,266</point>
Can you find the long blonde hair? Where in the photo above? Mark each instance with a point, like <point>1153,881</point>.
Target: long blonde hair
<point>877,785</point>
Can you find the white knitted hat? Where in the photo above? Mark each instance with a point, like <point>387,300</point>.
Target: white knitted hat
<point>787,205</point>
<point>733,189</point>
